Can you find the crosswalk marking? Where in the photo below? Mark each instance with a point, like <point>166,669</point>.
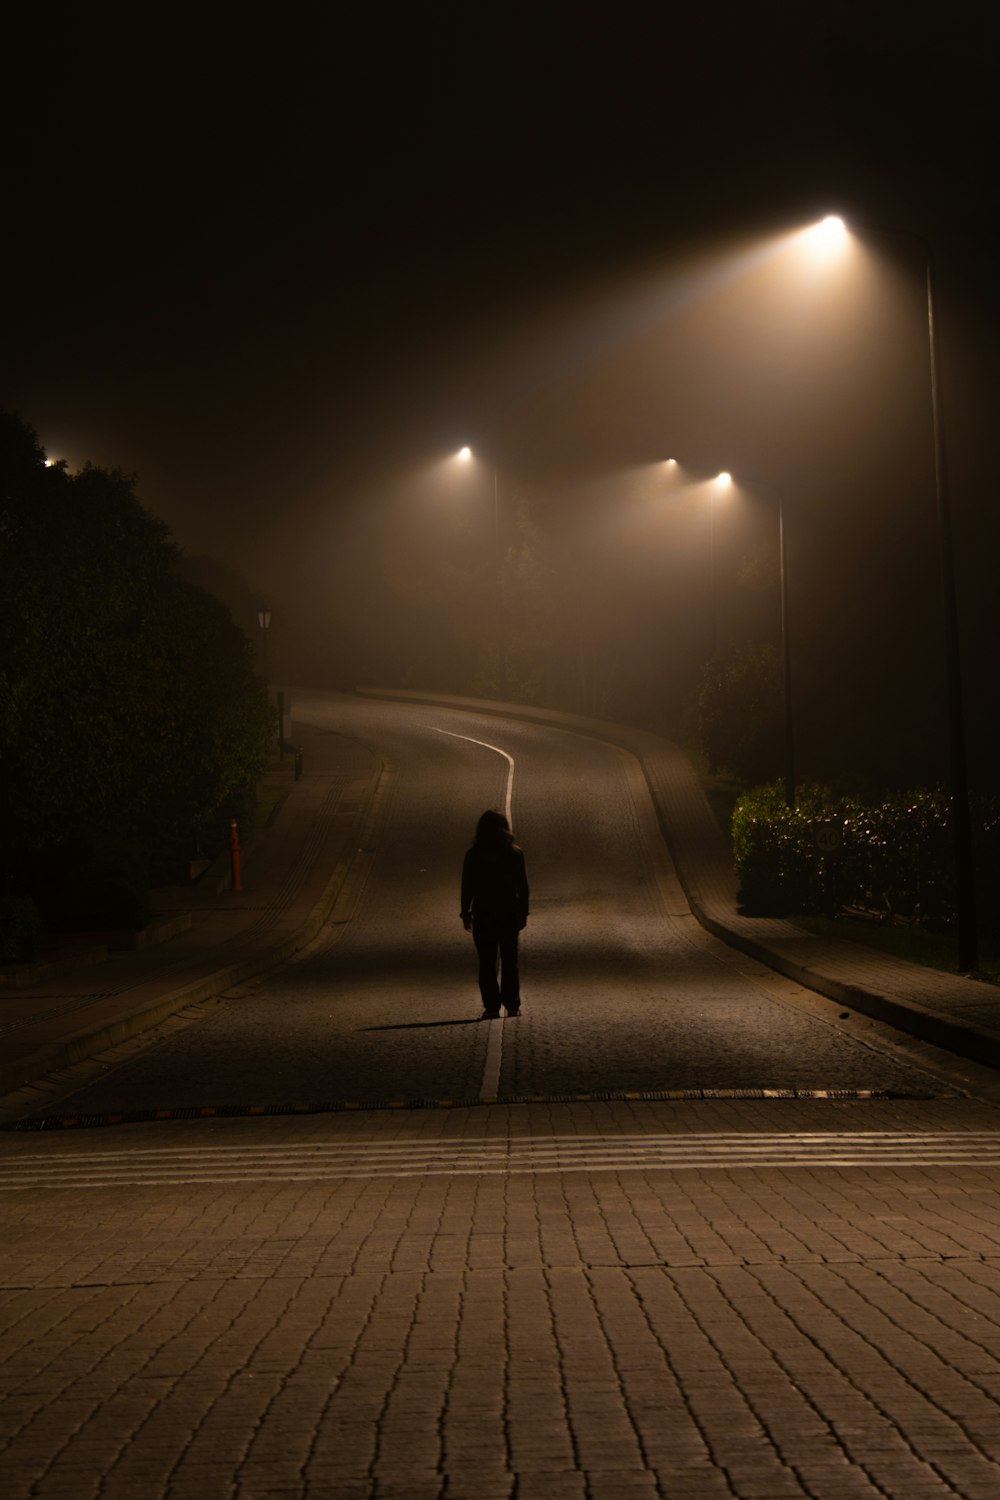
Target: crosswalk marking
<point>319,1162</point>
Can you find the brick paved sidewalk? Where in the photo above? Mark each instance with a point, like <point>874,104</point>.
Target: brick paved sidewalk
<point>960,1014</point>
<point>235,1314</point>
<point>291,876</point>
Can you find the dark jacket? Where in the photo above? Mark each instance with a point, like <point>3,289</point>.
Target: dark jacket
<point>494,884</point>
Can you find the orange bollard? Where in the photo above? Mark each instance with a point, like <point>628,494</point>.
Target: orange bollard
<point>234,854</point>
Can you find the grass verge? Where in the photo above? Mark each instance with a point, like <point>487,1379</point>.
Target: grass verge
<point>936,950</point>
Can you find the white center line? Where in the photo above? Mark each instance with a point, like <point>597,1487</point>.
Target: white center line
<point>497,751</point>
<point>490,1086</point>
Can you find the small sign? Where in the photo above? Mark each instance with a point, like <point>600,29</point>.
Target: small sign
<point>828,837</point>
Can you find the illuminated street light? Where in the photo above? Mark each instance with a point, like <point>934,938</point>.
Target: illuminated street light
<point>830,231</point>
<point>965,896</point>
<point>465,455</point>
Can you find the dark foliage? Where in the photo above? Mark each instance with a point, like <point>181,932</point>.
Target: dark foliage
<point>892,858</point>
<point>131,720</point>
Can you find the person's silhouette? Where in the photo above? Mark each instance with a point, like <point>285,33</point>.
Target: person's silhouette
<point>494,910</point>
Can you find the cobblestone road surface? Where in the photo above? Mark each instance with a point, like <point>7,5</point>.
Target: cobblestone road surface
<point>622,989</point>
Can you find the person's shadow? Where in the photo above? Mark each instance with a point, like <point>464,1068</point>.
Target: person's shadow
<point>422,1025</point>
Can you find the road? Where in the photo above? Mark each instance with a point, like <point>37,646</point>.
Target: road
<point>632,1295</point>
<point>622,989</point>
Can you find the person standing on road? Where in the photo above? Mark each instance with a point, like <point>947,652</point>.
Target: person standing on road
<point>495,909</point>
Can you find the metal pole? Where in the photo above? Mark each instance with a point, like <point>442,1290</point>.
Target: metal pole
<point>264,621</point>
<point>965,889</point>
<point>786,660</point>
<point>501,631</point>
<point>712,595</point>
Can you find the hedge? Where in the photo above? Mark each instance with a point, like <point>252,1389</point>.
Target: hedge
<point>894,857</point>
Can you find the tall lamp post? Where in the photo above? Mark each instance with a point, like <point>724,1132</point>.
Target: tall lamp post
<point>961,816</point>
<point>722,481</point>
<point>786,659</point>
<point>264,621</point>
<point>466,454</point>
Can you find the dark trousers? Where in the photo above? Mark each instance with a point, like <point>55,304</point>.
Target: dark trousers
<point>496,944</point>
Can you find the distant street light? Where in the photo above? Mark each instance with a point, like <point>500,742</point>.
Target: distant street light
<point>466,454</point>
<point>965,896</point>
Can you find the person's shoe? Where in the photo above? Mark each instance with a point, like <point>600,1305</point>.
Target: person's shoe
<point>491,1015</point>
<point>513,1010</point>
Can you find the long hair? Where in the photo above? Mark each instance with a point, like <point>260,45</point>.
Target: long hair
<point>493,831</point>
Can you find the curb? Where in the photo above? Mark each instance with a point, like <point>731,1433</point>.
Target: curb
<point>977,1044</point>
<point>43,1124</point>
<point>82,1044</point>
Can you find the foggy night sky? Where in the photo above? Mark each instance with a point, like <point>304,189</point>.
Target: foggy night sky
<point>277,267</point>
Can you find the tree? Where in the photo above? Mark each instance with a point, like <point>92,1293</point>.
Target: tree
<point>130,714</point>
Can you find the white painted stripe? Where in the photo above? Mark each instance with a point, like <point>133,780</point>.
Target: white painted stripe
<point>490,1086</point>
<point>361,1172</point>
<point>361,1160</point>
<point>448,1146</point>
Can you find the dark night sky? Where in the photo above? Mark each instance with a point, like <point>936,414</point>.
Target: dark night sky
<point>270,264</point>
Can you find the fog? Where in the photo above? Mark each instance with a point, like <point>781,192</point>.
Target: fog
<point>803,371</point>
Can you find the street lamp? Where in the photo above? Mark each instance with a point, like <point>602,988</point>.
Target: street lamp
<point>465,455</point>
<point>725,478</point>
<point>965,898</point>
<point>722,481</point>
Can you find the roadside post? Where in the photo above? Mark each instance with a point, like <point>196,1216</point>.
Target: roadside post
<point>234,855</point>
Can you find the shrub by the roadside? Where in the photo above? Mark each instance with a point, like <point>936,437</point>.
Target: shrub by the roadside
<point>20,929</point>
<point>894,857</point>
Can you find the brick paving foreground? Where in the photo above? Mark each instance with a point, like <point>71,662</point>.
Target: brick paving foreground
<point>189,1320</point>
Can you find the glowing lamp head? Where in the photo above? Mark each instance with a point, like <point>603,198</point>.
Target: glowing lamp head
<point>50,463</point>
<point>829,232</point>
<point>670,463</point>
<point>723,478</point>
<point>465,454</point>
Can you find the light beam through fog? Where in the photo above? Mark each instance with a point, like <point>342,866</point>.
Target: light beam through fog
<point>594,333</point>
